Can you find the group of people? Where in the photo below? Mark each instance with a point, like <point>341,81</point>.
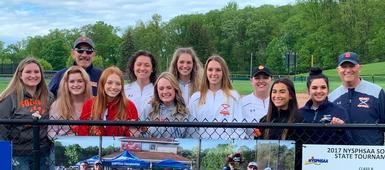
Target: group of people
<point>187,92</point>
<point>98,165</point>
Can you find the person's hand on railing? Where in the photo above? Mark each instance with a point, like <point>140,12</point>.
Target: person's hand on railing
<point>257,133</point>
<point>337,121</point>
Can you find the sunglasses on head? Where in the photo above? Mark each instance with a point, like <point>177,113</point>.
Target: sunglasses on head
<point>81,51</point>
<point>253,167</point>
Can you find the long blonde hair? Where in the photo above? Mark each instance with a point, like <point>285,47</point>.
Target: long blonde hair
<point>181,111</point>
<point>225,83</point>
<point>101,99</point>
<point>64,100</point>
<point>196,72</point>
<point>18,87</point>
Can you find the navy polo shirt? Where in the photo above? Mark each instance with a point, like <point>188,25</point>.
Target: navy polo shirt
<point>93,72</point>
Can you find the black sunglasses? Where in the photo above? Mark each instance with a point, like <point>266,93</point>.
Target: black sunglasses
<point>253,167</point>
<point>81,51</point>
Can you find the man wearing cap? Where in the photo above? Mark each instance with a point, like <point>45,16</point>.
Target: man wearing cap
<point>83,52</point>
<point>252,166</point>
<point>83,166</point>
<point>364,101</point>
<point>98,165</point>
<point>234,162</point>
<point>256,104</point>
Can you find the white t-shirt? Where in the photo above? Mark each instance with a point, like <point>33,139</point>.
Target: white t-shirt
<point>141,99</point>
<point>185,89</point>
<point>217,108</point>
<point>253,109</point>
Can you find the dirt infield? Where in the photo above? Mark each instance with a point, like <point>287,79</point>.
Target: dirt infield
<point>302,99</point>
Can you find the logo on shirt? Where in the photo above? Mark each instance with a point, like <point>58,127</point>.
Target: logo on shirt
<point>363,102</point>
<point>225,110</point>
<point>33,105</point>
<point>94,84</point>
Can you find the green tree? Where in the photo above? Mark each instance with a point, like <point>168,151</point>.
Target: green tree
<point>15,52</point>
<point>376,46</point>
<point>150,37</point>
<point>60,157</point>
<point>106,41</point>
<point>45,64</point>
<point>214,158</point>
<point>73,153</point>
<point>188,31</point>
<point>275,56</point>
<point>126,49</point>
<point>56,53</point>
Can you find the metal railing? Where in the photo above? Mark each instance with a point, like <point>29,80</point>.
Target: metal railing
<point>37,124</point>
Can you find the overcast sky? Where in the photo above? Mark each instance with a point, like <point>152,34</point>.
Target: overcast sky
<point>22,18</point>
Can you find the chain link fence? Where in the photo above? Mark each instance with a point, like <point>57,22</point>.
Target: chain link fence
<point>41,132</point>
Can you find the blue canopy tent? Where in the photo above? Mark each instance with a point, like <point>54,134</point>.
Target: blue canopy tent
<point>126,159</point>
<point>169,163</point>
<point>90,161</point>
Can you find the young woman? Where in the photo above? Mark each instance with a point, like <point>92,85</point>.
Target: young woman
<point>26,97</point>
<point>216,101</point>
<point>187,68</point>
<point>110,104</point>
<point>168,105</point>
<point>142,69</point>
<point>283,108</point>
<point>319,110</point>
<point>74,90</point>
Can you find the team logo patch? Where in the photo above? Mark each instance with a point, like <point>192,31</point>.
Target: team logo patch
<point>363,102</point>
<point>94,84</point>
<point>225,110</point>
<point>347,55</point>
<point>261,67</point>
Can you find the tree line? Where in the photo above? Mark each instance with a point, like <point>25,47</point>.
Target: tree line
<point>315,31</point>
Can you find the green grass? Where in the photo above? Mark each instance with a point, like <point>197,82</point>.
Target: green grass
<point>367,69</point>
<point>3,84</point>
<point>369,72</point>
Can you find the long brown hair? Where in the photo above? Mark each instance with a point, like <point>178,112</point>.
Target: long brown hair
<point>292,106</point>
<point>225,84</point>
<point>101,99</point>
<point>64,100</point>
<point>196,72</point>
<point>17,86</point>
<point>131,65</point>
<point>181,111</point>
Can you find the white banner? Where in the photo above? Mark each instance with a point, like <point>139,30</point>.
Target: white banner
<point>341,157</point>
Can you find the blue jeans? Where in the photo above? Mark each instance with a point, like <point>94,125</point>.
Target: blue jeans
<point>26,162</point>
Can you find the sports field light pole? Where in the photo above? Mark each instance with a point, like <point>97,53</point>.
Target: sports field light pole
<point>251,64</point>
<point>100,147</point>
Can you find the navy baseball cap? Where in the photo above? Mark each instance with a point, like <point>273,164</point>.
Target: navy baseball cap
<point>84,40</point>
<point>348,57</point>
<point>261,69</point>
